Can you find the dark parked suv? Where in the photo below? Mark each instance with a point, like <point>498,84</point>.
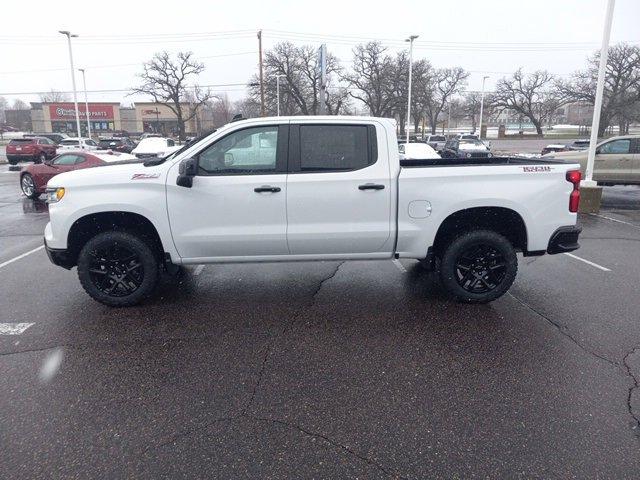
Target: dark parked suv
<point>465,148</point>
<point>37,149</point>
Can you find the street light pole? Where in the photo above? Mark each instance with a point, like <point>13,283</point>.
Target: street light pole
<point>595,123</point>
<point>278,92</point>
<point>410,40</point>
<point>482,105</point>
<point>86,102</point>
<point>69,35</point>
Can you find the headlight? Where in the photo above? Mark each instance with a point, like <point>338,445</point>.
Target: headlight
<point>55,194</point>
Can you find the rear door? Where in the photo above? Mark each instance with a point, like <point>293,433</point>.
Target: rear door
<point>338,190</point>
<point>613,162</point>
<point>635,162</point>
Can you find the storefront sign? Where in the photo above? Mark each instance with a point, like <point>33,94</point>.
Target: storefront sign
<point>66,111</point>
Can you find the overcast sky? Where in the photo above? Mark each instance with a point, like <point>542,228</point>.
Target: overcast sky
<point>489,37</point>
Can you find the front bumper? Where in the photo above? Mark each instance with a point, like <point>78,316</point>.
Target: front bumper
<point>59,257</point>
<point>564,239</point>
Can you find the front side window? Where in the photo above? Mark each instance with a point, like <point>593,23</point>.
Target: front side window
<point>65,160</point>
<point>616,147</point>
<point>334,147</point>
<point>245,151</point>
<point>91,143</point>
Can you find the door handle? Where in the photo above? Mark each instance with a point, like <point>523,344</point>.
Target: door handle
<point>266,188</point>
<point>371,186</point>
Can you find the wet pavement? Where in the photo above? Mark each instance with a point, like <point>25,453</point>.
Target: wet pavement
<point>324,370</point>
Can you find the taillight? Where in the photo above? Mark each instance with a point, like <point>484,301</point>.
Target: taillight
<point>574,177</point>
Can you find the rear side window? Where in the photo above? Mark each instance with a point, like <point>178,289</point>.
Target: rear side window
<point>334,147</point>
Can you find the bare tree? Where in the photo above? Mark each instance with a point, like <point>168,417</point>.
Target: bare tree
<point>166,81</point>
<point>4,105</point>
<point>54,96</point>
<point>249,107</point>
<point>471,108</point>
<point>445,83</point>
<point>535,96</point>
<point>370,81</point>
<point>621,96</point>
<point>299,81</point>
<point>19,105</point>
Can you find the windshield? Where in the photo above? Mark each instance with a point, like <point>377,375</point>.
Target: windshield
<point>476,143</point>
<point>69,142</point>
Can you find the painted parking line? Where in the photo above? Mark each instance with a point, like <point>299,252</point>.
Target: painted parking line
<point>615,220</point>
<point>14,259</point>
<point>600,267</point>
<point>397,263</point>
<point>198,270</point>
<point>13,328</point>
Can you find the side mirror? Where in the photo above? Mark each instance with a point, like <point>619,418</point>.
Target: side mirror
<point>186,171</point>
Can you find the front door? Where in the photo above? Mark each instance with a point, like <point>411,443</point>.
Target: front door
<point>338,191</point>
<point>237,205</point>
<point>613,162</point>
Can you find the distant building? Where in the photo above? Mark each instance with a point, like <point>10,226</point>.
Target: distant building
<point>105,118</point>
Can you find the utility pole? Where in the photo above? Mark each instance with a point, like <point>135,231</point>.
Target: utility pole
<point>262,107</point>
<point>322,66</point>
<point>73,78</point>
<point>86,103</point>
<point>410,40</point>
<point>482,106</point>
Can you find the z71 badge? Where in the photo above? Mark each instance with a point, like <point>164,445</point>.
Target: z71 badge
<point>144,176</point>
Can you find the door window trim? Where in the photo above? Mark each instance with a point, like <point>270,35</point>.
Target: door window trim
<point>281,153</point>
<point>295,155</point>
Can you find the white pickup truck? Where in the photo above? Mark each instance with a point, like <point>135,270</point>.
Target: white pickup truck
<point>308,188</point>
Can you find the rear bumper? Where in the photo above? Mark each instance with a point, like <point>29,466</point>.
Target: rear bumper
<point>564,239</point>
<point>59,257</point>
<point>21,156</point>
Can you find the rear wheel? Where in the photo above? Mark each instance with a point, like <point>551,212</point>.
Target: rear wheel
<point>13,162</point>
<point>117,269</point>
<point>478,266</point>
<point>28,186</point>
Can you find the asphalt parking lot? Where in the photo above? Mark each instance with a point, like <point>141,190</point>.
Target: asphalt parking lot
<point>323,370</point>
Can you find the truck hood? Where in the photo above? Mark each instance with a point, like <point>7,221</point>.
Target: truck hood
<point>114,173</point>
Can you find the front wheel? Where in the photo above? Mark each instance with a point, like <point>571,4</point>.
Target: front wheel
<point>478,266</point>
<point>117,269</point>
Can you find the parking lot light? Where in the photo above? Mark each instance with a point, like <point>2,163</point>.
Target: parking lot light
<point>69,35</point>
<point>484,79</point>
<point>86,103</point>
<point>410,40</point>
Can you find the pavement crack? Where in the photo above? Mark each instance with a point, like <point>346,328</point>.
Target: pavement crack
<point>563,331</point>
<point>323,281</point>
<point>331,442</point>
<point>633,387</point>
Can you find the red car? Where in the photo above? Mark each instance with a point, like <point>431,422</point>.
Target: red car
<point>36,149</point>
<point>34,178</point>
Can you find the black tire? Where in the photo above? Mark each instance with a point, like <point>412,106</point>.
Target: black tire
<point>118,269</point>
<point>13,162</point>
<point>40,158</point>
<point>28,186</point>
<point>478,266</point>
